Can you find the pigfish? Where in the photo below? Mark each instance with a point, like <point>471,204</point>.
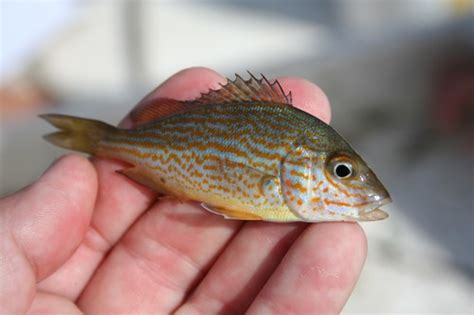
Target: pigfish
<point>243,151</point>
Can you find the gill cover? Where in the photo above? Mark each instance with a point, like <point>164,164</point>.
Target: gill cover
<point>300,183</point>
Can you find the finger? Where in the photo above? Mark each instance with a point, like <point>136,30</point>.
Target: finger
<point>308,97</point>
<point>230,287</point>
<point>163,265</point>
<point>45,303</point>
<point>187,84</point>
<point>318,273</point>
<point>120,201</point>
<point>156,263</point>
<point>242,269</point>
<point>41,226</point>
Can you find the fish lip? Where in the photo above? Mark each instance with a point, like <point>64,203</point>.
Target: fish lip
<point>384,201</point>
<point>375,214</point>
<point>378,202</point>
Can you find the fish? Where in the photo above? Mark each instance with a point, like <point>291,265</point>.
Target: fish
<point>242,151</point>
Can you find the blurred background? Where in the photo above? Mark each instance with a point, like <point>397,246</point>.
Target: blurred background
<point>399,75</point>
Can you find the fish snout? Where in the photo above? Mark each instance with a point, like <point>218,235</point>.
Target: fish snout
<point>377,197</point>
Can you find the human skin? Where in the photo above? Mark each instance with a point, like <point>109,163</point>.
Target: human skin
<point>83,238</point>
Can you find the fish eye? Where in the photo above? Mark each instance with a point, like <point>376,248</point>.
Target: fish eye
<point>342,170</point>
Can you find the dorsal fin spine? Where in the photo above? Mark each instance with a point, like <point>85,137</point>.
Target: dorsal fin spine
<point>289,96</point>
<point>230,91</point>
<point>252,83</point>
<point>245,86</point>
<point>269,86</point>
<point>243,91</point>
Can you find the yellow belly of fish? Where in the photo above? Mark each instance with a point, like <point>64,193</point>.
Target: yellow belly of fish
<point>238,198</point>
<point>234,208</point>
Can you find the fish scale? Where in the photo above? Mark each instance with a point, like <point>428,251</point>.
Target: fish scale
<point>243,151</point>
<point>249,144</point>
<point>214,141</point>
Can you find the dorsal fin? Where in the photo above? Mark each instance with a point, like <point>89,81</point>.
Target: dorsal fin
<point>157,108</point>
<point>251,90</point>
<point>238,90</point>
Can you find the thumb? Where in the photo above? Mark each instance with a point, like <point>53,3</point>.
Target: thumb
<point>41,226</point>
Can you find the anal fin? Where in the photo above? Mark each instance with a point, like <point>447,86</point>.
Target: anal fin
<point>231,214</point>
<point>138,175</point>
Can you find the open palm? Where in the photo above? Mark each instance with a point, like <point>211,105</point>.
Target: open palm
<point>83,238</point>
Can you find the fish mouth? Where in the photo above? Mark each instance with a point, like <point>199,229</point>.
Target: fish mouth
<point>372,211</point>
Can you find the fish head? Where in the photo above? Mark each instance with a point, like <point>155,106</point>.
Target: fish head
<point>350,189</point>
<point>332,186</point>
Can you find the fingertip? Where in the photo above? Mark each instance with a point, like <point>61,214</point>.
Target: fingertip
<point>42,225</point>
<point>72,165</point>
<point>189,83</point>
<point>348,236</point>
<point>347,239</point>
<point>358,235</point>
<point>307,96</point>
<point>186,84</point>
<point>324,265</point>
<point>76,177</point>
<point>50,217</point>
<point>342,250</point>
<point>45,303</point>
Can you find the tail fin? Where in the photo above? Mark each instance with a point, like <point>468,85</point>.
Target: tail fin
<point>76,133</point>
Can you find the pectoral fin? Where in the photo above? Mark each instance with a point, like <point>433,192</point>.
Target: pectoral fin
<point>232,214</point>
<point>265,184</point>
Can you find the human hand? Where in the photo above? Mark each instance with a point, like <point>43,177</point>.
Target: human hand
<point>83,238</point>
